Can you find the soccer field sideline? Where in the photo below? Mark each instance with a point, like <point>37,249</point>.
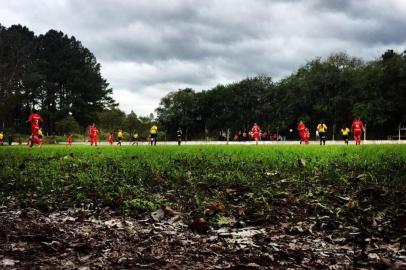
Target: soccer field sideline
<point>331,142</point>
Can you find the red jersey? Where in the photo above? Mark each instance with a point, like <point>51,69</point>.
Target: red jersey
<point>256,129</point>
<point>35,119</point>
<point>357,125</point>
<point>93,131</point>
<point>69,139</point>
<point>307,133</point>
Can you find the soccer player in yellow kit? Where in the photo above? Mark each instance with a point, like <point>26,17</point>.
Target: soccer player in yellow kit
<point>154,134</point>
<point>119,136</point>
<point>345,131</point>
<point>1,137</point>
<point>135,138</point>
<point>322,129</point>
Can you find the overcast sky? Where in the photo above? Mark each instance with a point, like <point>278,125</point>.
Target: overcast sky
<point>148,48</point>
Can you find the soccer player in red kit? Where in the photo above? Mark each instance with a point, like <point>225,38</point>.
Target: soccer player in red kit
<point>301,131</point>
<point>357,127</point>
<point>306,135</point>
<point>111,138</point>
<point>35,119</point>
<point>70,139</point>
<point>255,132</point>
<point>93,135</point>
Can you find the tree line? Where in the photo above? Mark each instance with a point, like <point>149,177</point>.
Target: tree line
<point>52,73</point>
<point>335,90</point>
<point>55,74</point>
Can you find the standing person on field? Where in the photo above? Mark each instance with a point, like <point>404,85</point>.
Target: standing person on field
<point>36,120</point>
<point>10,139</point>
<point>255,132</point>
<point>244,136</point>
<point>93,134</point>
<point>179,135</point>
<point>345,131</point>
<point>301,131</point>
<point>70,139</point>
<point>356,128</point>
<point>154,134</point>
<point>135,138</point>
<point>306,136</point>
<point>322,129</point>
<point>1,137</point>
<point>111,138</point>
<point>40,134</point>
<point>119,136</point>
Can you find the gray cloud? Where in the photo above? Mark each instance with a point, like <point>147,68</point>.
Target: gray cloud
<point>148,48</point>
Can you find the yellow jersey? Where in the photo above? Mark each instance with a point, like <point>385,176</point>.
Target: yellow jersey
<point>135,136</point>
<point>345,131</point>
<point>1,136</point>
<point>321,128</point>
<point>40,132</point>
<point>120,134</point>
<point>154,129</point>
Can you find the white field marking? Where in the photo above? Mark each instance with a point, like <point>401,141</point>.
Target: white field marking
<point>105,143</point>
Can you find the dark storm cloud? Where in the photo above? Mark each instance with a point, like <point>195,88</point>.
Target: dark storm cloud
<point>148,48</point>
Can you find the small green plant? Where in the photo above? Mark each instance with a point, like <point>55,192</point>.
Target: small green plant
<point>139,205</point>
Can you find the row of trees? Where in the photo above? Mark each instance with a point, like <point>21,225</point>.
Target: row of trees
<point>55,74</point>
<point>52,73</point>
<point>335,90</point>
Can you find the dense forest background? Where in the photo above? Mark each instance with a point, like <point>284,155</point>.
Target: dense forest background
<point>334,90</point>
<point>56,75</point>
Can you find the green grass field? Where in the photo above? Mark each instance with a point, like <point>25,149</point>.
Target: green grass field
<point>135,180</point>
<point>342,205</point>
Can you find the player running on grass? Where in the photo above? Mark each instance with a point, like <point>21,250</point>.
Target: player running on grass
<point>111,138</point>
<point>70,139</point>
<point>357,127</point>
<point>322,130</point>
<point>153,134</point>
<point>35,119</point>
<point>40,134</point>
<point>345,131</point>
<point>306,135</point>
<point>135,138</point>
<point>301,131</point>
<point>119,136</point>
<point>256,129</point>
<point>93,135</point>
<point>179,135</point>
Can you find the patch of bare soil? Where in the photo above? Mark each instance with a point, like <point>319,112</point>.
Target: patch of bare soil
<point>82,239</point>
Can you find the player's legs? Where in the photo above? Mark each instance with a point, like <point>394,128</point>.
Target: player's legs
<point>357,136</point>
<point>35,140</point>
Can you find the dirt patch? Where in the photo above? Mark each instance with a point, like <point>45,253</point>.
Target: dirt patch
<point>82,239</point>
